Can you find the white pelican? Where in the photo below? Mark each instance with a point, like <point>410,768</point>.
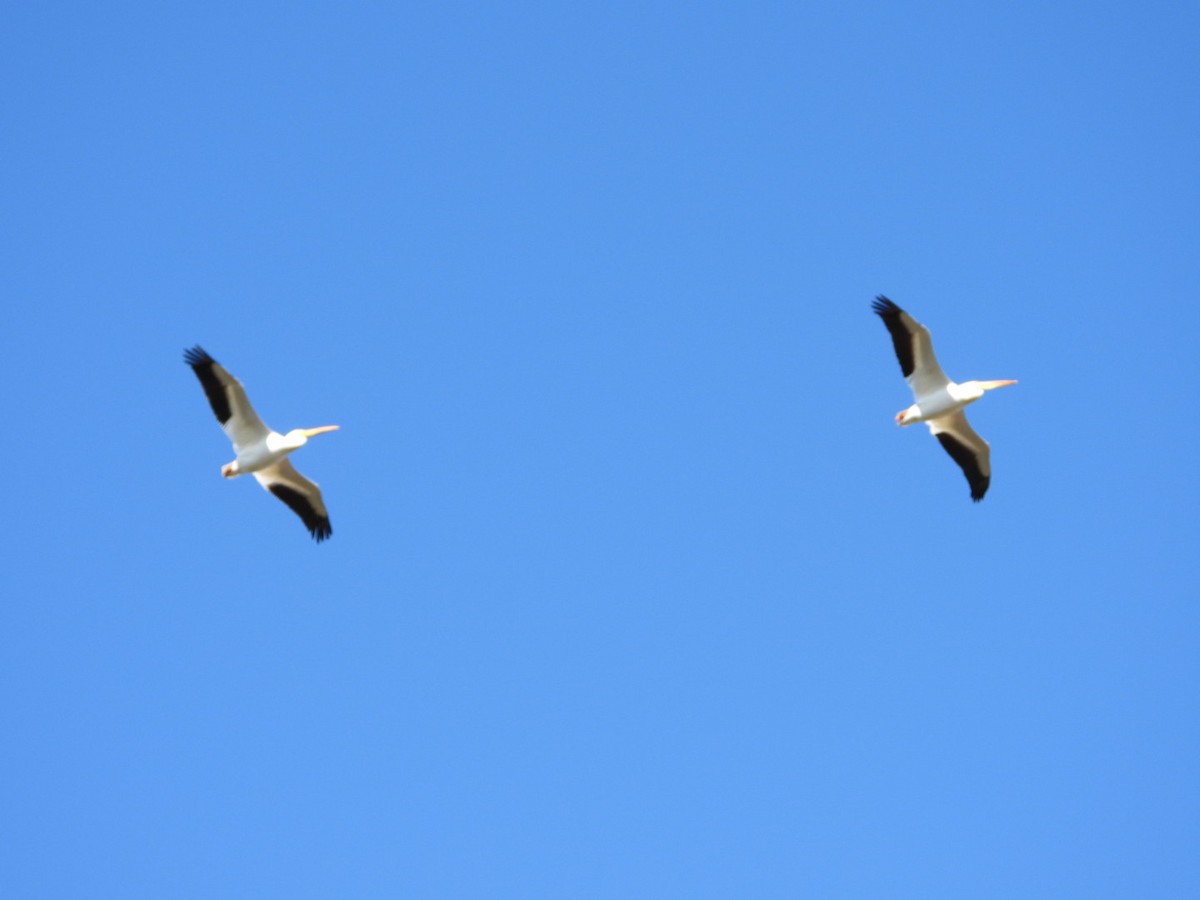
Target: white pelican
<point>939,401</point>
<point>259,449</point>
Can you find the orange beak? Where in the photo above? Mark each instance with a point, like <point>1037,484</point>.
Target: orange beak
<point>988,385</point>
<point>309,432</point>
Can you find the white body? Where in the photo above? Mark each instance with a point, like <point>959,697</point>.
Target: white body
<point>269,449</point>
<point>948,398</point>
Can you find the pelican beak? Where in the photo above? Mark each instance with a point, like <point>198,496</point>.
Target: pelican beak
<point>309,432</point>
<point>988,385</point>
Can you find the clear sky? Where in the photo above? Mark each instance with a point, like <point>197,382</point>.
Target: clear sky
<point>635,589</point>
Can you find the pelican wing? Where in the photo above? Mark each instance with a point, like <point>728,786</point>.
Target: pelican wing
<point>300,494</point>
<point>228,400</point>
<point>914,349</point>
<point>966,448</point>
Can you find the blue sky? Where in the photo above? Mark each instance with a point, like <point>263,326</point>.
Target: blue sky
<point>635,590</point>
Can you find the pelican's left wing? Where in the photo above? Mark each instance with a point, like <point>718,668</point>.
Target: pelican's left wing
<point>302,495</point>
<point>966,448</point>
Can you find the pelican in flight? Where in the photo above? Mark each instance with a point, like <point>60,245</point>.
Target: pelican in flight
<point>260,450</point>
<point>939,401</point>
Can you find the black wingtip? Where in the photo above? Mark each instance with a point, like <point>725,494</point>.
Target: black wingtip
<point>979,486</point>
<point>318,526</point>
<point>885,307</point>
<point>902,338</point>
<point>197,356</point>
<point>203,365</point>
<point>966,461</point>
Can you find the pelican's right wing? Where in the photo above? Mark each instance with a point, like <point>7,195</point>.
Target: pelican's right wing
<point>228,400</point>
<point>914,349</point>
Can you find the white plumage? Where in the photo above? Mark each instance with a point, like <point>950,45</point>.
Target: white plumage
<point>939,402</point>
<point>261,451</point>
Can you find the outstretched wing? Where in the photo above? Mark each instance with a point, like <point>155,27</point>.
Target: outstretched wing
<point>914,349</point>
<point>228,400</point>
<point>966,448</point>
<point>300,494</point>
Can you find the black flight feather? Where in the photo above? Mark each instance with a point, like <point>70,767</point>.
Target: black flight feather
<point>202,364</point>
<point>318,526</point>
<point>902,339</point>
<point>968,462</point>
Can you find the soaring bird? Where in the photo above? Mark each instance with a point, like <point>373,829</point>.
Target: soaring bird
<point>260,450</point>
<point>939,401</point>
